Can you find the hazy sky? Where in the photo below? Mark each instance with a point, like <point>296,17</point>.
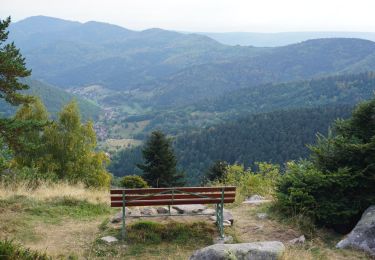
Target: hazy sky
<point>207,15</point>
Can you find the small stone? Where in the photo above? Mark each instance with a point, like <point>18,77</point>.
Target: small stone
<point>109,239</point>
<point>227,215</point>
<point>118,217</point>
<point>227,223</point>
<point>209,211</point>
<point>223,240</point>
<point>255,199</point>
<point>189,209</point>
<point>297,240</point>
<point>262,215</point>
<point>162,210</point>
<point>148,211</point>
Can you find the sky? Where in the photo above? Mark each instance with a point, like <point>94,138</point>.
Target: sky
<point>207,15</point>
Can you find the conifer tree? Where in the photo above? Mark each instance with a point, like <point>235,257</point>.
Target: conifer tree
<point>12,68</point>
<point>159,168</point>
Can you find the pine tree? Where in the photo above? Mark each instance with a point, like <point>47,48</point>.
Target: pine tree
<point>159,169</point>
<point>217,171</point>
<point>12,68</point>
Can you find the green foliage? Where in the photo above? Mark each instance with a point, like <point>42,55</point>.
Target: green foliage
<point>248,183</point>
<point>70,152</point>
<point>337,185</point>
<point>217,171</point>
<point>10,250</point>
<point>133,181</point>
<point>159,168</point>
<point>12,67</point>
<point>275,137</point>
<point>32,177</point>
<point>147,232</point>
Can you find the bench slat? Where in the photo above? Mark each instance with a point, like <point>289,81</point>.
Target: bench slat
<point>182,189</point>
<point>175,196</point>
<point>169,202</point>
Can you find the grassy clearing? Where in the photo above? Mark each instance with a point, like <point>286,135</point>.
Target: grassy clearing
<point>152,240</point>
<point>59,219</point>
<point>67,222</point>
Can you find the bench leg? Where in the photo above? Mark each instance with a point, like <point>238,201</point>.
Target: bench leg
<point>219,218</point>
<point>123,217</point>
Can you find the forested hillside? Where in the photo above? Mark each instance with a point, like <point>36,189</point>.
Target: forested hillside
<point>54,99</point>
<point>345,89</point>
<point>275,137</point>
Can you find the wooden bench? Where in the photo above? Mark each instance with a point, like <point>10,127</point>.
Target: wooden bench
<point>174,196</point>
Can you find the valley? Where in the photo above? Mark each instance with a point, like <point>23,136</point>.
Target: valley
<point>195,89</point>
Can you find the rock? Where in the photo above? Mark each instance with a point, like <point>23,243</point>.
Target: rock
<point>189,209</point>
<point>118,217</point>
<point>227,216</point>
<point>262,215</point>
<point>362,237</point>
<point>209,211</point>
<point>255,199</point>
<point>162,210</point>
<point>109,239</point>
<point>227,223</point>
<point>148,211</point>
<point>223,240</point>
<point>297,240</point>
<point>245,251</point>
<point>135,212</point>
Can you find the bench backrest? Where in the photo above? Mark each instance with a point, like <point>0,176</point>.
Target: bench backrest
<point>172,196</point>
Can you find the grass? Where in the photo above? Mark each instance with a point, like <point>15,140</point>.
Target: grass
<point>10,250</point>
<point>67,222</point>
<point>152,240</point>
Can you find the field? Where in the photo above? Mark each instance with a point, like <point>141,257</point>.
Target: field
<point>67,222</point>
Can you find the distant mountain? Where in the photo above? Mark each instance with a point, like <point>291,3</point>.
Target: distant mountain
<point>73,54</point>
<point>54,99</point>
<point>310,59</point>
<point>165,68</point>
<point>281,39</point>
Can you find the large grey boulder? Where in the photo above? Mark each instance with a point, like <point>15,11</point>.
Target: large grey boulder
<point>362,237</point>
<point>271,250</point>
<point>189,209</point>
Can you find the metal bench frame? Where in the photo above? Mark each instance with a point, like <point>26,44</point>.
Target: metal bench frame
<point>141,200</point>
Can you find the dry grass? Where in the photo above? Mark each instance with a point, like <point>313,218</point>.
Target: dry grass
<point>48,191</point>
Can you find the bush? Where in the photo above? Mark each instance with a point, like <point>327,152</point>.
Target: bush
<point>337,185</point>
<point>10,250</point>
<point>306,190</point>
<point>133,182</point>
<point>248,183</point>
